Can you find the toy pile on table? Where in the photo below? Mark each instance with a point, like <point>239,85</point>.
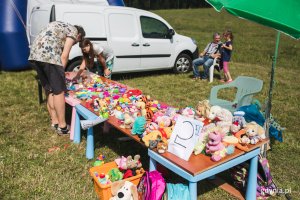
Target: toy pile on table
<point>153,122</point>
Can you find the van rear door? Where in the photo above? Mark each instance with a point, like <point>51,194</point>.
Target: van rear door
<point>156,47</point>
<point>124,38</point>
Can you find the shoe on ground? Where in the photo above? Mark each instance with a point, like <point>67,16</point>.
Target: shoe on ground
<point>54,127</point>
<point>63,131</point>
<point>196,78</point>
<point>229,81</point>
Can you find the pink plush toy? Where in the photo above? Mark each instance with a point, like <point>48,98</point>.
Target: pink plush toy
<point>163,121</point>
<point>215,146</point>
<point>188,112</point>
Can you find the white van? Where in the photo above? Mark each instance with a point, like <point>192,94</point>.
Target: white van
<point>140,40</point>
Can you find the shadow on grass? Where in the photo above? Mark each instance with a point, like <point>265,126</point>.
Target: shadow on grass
<point>131,75</point>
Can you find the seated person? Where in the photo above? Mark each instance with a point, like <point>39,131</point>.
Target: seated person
<point>206,58</point>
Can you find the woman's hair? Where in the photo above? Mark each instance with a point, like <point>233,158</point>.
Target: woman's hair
<point>229,33</point>
<point>88,56</point>
<point>80,31</point>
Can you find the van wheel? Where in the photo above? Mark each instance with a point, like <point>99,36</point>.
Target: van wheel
<point>74,66</point>
<point>182,64</point>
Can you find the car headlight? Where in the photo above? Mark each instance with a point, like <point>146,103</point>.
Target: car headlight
<point>194,41</point>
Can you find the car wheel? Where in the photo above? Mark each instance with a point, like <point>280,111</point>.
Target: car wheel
<point>74,66</point>
<point>182,64</point>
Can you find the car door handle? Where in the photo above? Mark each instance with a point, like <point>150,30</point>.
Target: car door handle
<point>146,45</point>
<point>135,44</point>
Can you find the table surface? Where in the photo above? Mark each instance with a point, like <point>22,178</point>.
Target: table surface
<point>196,163</point>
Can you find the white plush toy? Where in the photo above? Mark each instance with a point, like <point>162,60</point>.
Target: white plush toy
<point>222,117</point>
<point>124,190</point>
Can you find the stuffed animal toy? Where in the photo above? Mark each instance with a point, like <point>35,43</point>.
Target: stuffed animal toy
<point>202,109</point>
<point>215,147</point>
<point>142,106</point>
<point>133,163</point>
<point>114,175</point>
<point>238,116</point>
<point>150,127</point>
<point>157,115</point>
<point>121,162</point>
<point>138,127</point>
<point>166,132</point>
<point>124,190</point>
<point>163,121</point>
<point>222,118</point>
<point>255,132</point>
<point>151,136</point>
<point>173,113</point>
<point>203,139</point>
<point>162,147</point>
<point>128,120</point>
<point>188,112</point>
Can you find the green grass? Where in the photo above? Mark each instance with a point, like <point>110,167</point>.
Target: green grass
<point>29,171</point>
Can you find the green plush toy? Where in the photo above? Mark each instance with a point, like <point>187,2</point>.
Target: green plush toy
<point>114,175</point>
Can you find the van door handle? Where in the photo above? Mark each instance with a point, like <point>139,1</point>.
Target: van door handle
<point>146,45</point>
<point>135,44</point>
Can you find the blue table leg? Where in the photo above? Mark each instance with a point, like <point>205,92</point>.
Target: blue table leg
<point>90,144</point>
<point>77,129</point>
<point>252,179</point>
<point>193,190</point>
<point>152,165</point>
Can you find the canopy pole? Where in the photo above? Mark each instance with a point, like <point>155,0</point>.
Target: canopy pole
<point>272,82</point>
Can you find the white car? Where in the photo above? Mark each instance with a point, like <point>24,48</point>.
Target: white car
<point>140,40</point>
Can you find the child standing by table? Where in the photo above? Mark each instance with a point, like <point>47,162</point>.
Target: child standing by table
<point>226,55</point>
<point>104,56</point>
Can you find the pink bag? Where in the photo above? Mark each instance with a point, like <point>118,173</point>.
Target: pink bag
<point>151,186</point>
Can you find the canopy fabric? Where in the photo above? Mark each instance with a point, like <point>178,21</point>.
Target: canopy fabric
<point>282,15</point>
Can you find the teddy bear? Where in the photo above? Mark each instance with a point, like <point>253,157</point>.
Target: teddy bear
<point>133,163</point>
<point>222,117</point>
<point>254,132</point>
<point>215,147</point>
<point>124,190</point>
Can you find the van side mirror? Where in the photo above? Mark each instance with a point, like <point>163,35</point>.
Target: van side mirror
<point>170,33</point>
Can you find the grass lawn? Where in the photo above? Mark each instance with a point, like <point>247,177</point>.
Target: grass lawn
<point>29,171</point>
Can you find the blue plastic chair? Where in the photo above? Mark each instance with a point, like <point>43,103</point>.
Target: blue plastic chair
<point>246,88</point>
